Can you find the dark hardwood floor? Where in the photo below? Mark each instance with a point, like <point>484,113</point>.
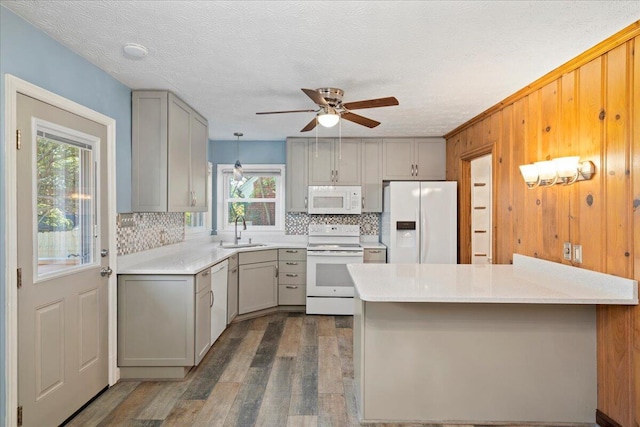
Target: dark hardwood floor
<point>283,369</point>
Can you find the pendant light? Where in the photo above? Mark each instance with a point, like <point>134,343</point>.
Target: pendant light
<point>237,168</point>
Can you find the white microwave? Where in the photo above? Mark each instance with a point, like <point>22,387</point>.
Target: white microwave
<point>335,199</point>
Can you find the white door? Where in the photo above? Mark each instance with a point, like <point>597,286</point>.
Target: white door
<point>438,222</point>
<point>62,227</point>
<point>481,210</point>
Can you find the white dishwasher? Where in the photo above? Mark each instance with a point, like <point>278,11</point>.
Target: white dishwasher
<point>218,299</point>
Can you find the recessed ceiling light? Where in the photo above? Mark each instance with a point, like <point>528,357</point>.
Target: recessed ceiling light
<point>135,51</point>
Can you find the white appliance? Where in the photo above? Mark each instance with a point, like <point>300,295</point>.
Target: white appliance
<point>329,285</point>
<point>335,199</point>
<point>218,299</point>
<point>419,222</point>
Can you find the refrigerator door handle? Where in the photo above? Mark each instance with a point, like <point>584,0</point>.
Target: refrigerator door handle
<point>423,240</point>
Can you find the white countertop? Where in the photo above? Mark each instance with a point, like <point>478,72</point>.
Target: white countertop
<point>527,281</point>
<point>186,257</point>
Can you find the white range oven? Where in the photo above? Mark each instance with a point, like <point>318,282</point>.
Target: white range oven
<point>329,285</point>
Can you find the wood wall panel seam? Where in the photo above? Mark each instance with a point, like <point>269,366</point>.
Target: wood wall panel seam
<point>621,37</point>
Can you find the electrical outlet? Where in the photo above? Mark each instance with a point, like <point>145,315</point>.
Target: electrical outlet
<point>577,254</point>
<point>566,251</point>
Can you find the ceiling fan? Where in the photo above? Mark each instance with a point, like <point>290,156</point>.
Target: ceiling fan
<point>329,99</point>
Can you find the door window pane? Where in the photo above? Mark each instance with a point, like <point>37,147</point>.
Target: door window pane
<point>65,214</point>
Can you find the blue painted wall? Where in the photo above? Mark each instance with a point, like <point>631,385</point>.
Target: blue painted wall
<point>227,152</point>
<point>31,55</point>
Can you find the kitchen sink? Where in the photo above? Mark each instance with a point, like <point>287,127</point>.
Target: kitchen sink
<point>241,245</point>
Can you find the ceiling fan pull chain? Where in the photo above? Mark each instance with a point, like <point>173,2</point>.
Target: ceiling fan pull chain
<point>340,137</point>
<point>316,137</point>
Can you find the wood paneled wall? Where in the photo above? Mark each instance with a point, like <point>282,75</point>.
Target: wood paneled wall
<point>588,107</point>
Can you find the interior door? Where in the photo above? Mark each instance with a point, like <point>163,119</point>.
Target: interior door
<point>62,226</point>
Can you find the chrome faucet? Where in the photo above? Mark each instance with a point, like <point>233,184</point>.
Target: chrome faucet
<point>235,232</point>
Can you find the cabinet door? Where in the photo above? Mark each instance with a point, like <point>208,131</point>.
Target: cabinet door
<point>232,295</point>
<point>372,175</point>
<point>297,174</point>
<point>149,151</point>
<point>258,287</point>
<point>321,168</point>
<point>347,161</point>
<point>397,159</point>
<point>430,159</point>
<point>198,169</point>
<point>203,323</point>
<point>179,157</point>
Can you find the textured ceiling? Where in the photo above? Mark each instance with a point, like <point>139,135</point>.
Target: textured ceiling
<point>445,61</point>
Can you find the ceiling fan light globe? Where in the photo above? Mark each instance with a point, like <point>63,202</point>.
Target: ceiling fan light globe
<point>328,120</point>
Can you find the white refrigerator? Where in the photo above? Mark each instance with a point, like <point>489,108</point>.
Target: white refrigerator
<point>419,222</point>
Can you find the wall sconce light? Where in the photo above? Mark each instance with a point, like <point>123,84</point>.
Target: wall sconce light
<point>563,170</point>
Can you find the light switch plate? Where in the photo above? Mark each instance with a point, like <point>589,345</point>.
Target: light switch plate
<point>577,254</point>
<point>566,251</point>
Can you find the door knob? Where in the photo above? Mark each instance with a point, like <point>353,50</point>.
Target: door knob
<point>107,271</point>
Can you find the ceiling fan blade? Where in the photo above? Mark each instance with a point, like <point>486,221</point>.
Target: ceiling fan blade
<point>371,103</point>
<point>316,97</point>
<point>355,118</point>
<point>288,111</point>
<point>312,124</point>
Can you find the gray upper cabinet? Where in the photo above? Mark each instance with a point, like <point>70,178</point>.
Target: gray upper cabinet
<point>334,162</point>
<point>169,161</point>
<point>297,174</point>
<point>413,159</point>
<point>371,175</point>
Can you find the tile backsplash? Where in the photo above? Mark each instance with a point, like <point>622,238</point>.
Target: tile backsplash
<point>150,230</point>
<point>298,223</point>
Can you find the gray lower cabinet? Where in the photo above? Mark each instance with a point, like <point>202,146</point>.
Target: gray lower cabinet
<point>232,289</point>
<point>156,327</point>
<point>203,315</point>
<point>292,276</point>
<point>164,324</point>
<point>375,256</point>
<point>257,281</point>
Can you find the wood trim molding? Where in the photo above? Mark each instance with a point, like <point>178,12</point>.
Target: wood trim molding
<point>589,55</point>
<point>603,420</point>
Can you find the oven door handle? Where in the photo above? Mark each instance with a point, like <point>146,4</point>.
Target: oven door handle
<point>334,254</point>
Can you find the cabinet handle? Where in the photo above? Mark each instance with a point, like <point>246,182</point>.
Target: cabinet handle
<point>277,272</point>
<point>292,263</point>
<point>291,275</point>
<point>291,287</point>
<point>211,299</point>
<point>233,257</point>
<point>205,273</point>
<point>411,170</point>
<point>305,202</point>
<point>290,251</point>
<point>374,252</point>
<point>416,170</point>
<point>363,202</point>
<point>235,270</point>
<point>336,176</point>
<point>332,178</point>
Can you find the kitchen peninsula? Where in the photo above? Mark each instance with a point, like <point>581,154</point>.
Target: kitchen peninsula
<point>479,343</point>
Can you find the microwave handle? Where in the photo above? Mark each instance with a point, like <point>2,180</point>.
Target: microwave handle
<point>305,202</point>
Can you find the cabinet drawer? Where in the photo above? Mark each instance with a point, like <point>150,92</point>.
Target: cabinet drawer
<point>292,254</point>
<point>292,295</point>
<point>288,278</point>
<point>203,279</point>
<point>233,261</point>
<point>375,255</point>
<point>258,256</point>
<point>292,266</point>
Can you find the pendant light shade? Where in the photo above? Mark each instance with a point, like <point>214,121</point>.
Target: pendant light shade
<point>237,167</point>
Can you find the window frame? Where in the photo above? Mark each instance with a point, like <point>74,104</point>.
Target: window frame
<point>224,173</point>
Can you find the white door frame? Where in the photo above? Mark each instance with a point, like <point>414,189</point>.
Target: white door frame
<point>13,85</point>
